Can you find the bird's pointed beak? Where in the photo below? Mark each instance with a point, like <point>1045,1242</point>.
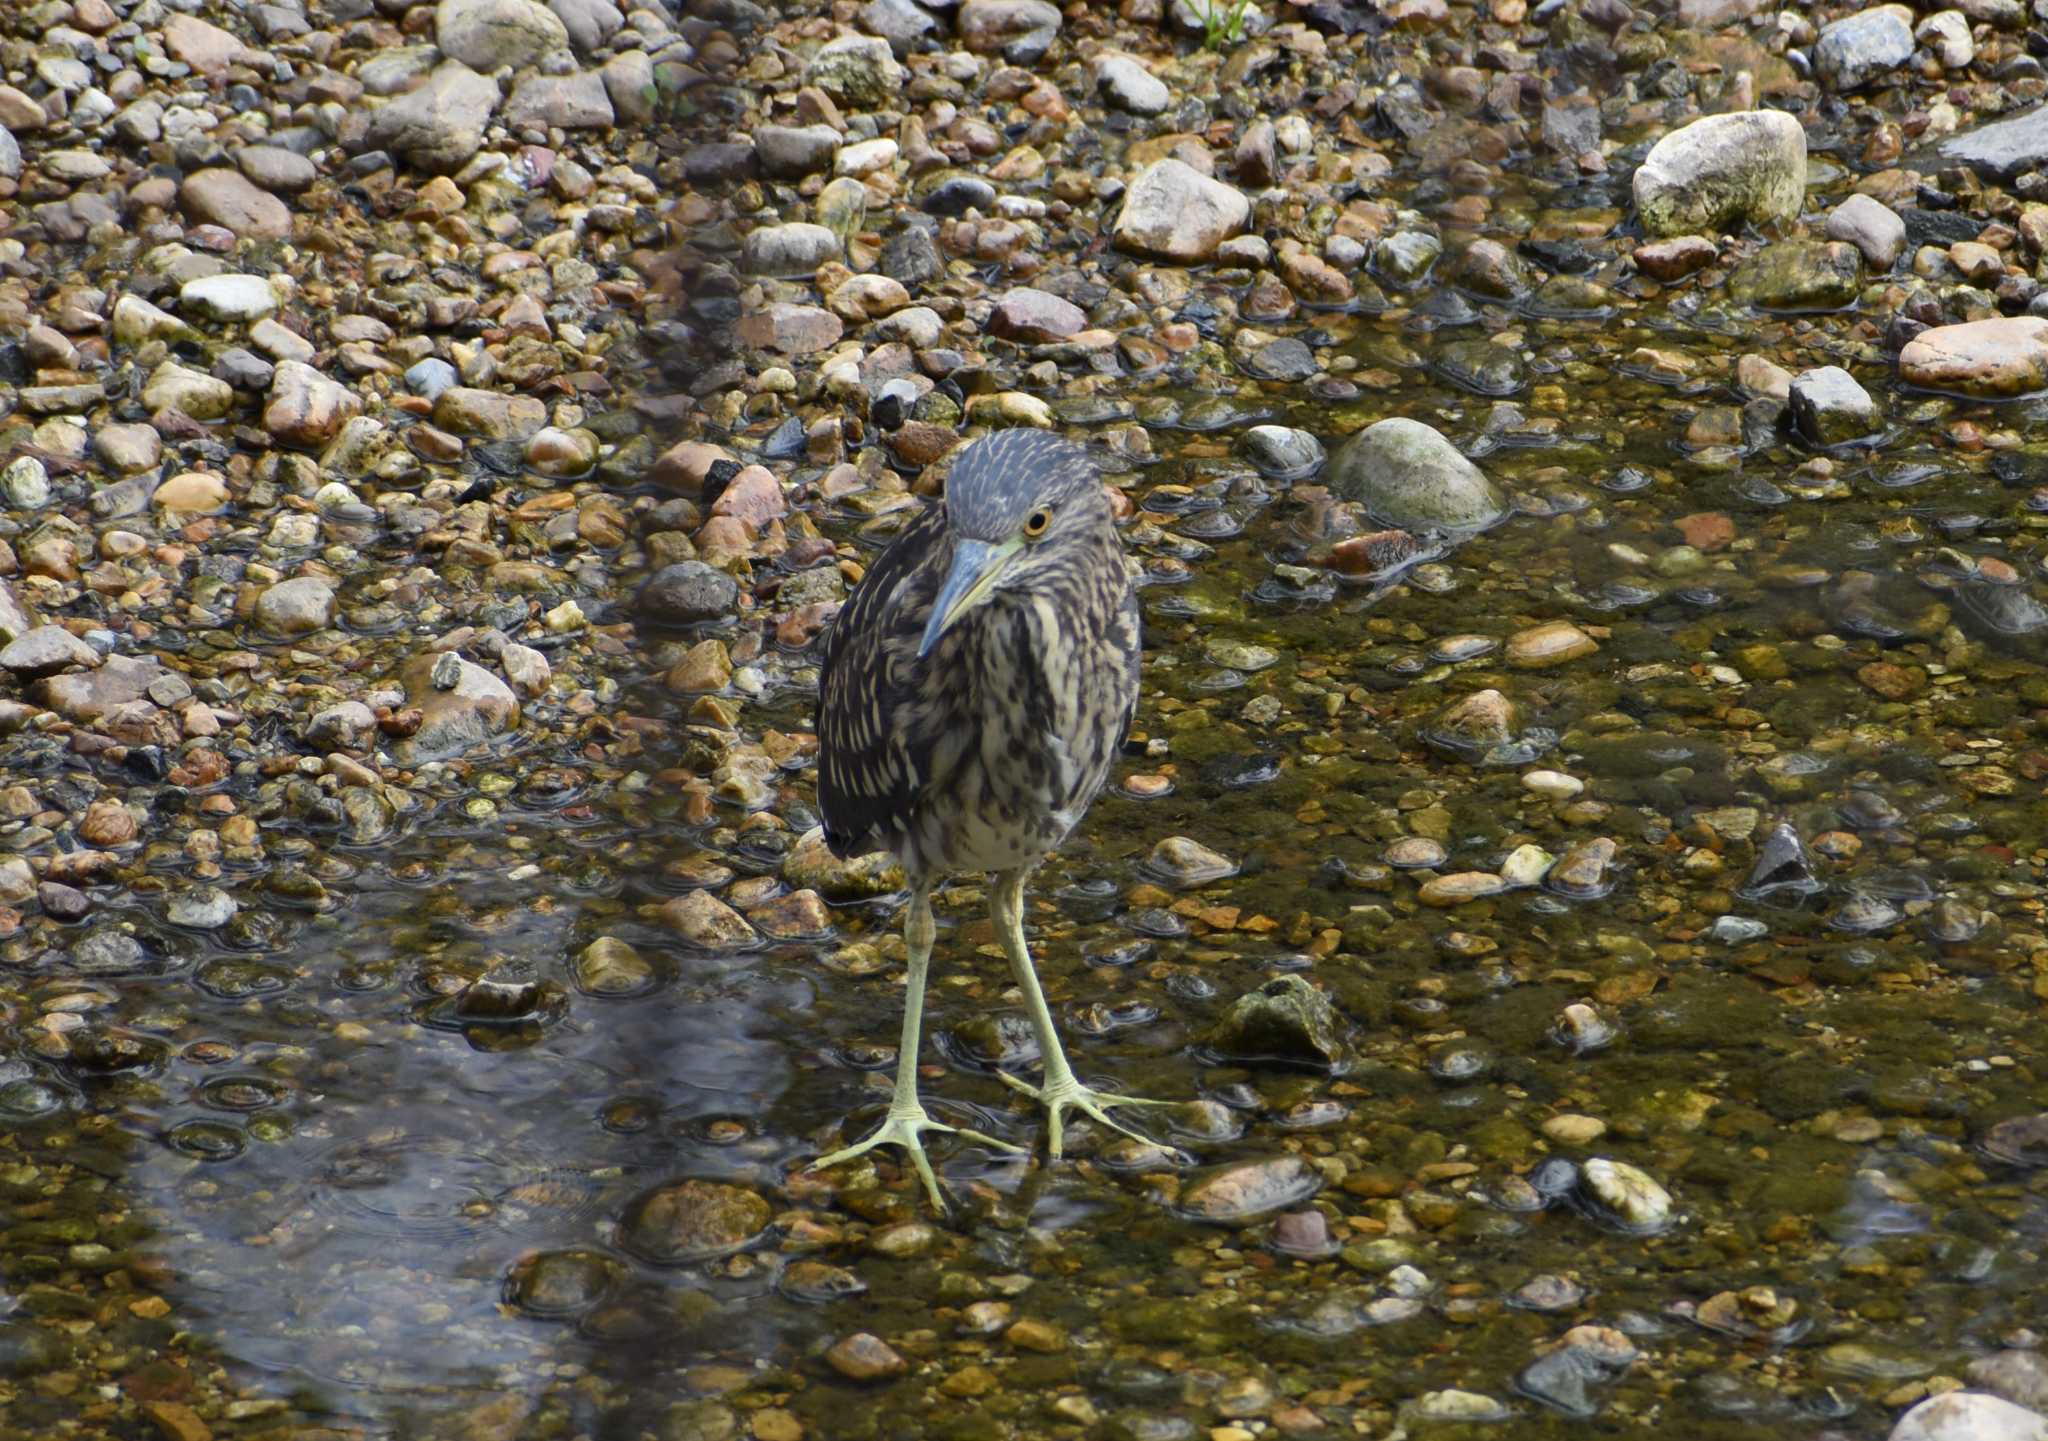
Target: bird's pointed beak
<point>977,566</point>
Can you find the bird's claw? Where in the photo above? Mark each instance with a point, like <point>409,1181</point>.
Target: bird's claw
<point>903,1128</point>
<point>1070,1093</point>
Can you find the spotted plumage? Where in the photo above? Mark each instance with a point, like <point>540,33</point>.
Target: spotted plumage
<point>984,753</point>
<point>976,688</point>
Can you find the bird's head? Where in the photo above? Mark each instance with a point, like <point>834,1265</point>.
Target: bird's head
<point>1016,502</point>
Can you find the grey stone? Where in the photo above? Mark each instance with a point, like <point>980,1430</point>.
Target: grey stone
<point>1861,48</point>
<point>1174,212</point>
<point>1022,30</point>
<point>439,126</point>
<point>574,102</point>
<point>859,70</point>
<point>88,695</point>
<point>1035,316</point>
<point>1571,127</point>
<point>629,80</point>
<point>1830,408</point>
<point>590,23</point>
<point>790,152</point>
<point>1721,171</point>
<point>2003,148</point>
<point>795,249</point>
<point>227,197</point>
<point>1129,86</point>
<point>1284,359</point>
<point>486,34</point>
<point>274,168</point>
<point>1282,452</point>
<point>911,257</point>
<point>46,650</point>
<point>10,155</point>
<point>203,908</point>
<point>1407,475</point>
<point>346,726</point>
<point>15,619</point>
<point>1872,227</point>
<point>298,606</point>
<point>903,23</point>
<point>686,592</point>
<point>1947,34</point>
<point>2021,1377</point>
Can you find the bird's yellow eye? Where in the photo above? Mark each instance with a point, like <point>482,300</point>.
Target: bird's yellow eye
<point>1036,522</point>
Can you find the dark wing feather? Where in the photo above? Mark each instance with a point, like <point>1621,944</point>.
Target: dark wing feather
<point>1131,638</point>
<point>868,776</point>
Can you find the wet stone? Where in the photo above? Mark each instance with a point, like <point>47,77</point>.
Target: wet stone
<point>1185,864</point>
<point>1799,275</point>
<point>1627,1194</point>
<point>1721,171</point>
<point>1995,358</point>
<point>1543,646</point>
<point>1286,1020</point>
<point>865,1357</point>
<point>561,1283</point>
<point>1242,1192</point>
<point>1460,888</point>
<point>1407,475</point>
<point>1831,409</point>
<point>679,1222</point>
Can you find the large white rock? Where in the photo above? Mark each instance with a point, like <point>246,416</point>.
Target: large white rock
<point>1174,212</point>
<point>1969,1416</point>
<point>1722,170</point>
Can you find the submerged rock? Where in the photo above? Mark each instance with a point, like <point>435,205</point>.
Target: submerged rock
<point>1627,1194</point>
<point>1245,1191</point>
<point>1286,1020</point>
<point>1799,275</point>
<point>679,1222</point>
<point>1409,476</point>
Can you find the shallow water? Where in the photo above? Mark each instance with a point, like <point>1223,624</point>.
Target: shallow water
<point>345,1185</point>
<point>345,1191</point>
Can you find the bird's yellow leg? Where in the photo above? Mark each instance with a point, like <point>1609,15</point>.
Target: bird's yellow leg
<point>907,1121</point>
<point>1061,1091</point>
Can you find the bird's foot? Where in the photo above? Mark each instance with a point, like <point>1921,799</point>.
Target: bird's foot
<point>1061,1095</point>
<point>904,1128</point>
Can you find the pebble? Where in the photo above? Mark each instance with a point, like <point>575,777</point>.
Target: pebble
<point>1627,1193</point>
<point>865,1357</point>
<point>1553,643</point>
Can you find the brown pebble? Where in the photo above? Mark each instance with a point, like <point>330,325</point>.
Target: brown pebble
<point>865,1357</point>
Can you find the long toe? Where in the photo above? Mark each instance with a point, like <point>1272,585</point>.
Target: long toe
<point>904,1130</point>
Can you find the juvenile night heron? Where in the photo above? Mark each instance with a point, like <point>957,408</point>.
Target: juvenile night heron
<point>976,688</point>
